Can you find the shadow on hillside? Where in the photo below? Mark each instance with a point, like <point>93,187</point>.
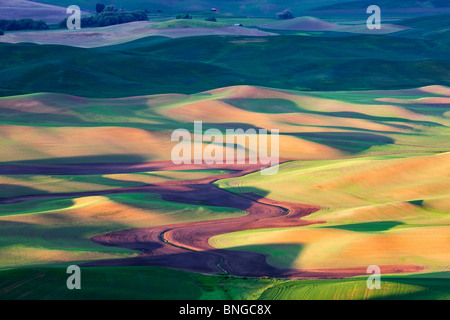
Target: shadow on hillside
<point>11,190</point>
<point>216,261</point>
<point>352,142</point>
<point>78,160</point>
<point>88,165</point>
<point>377,226</point>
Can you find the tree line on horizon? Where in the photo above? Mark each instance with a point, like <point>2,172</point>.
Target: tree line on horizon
<point>21,24</point>
<point>108,16</point>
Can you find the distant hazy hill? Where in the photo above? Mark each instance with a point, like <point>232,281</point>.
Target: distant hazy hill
<point>315,24</point>
<point>195,64</point>
<point>250,7</point>
<point>18,9</point>
<point>301,23</point>
<point>432,23</point>
<point>386,4</point>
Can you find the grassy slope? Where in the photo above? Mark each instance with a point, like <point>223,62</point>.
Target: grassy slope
<point>160,65</point>
<point>424,287</point>
<point>57,232</point>
<point>320,125</point>
<point>353,122</point>
<point>333,246</point>
<point>378,210</point>
<point>185,23</point>
<point>224,61</point>
<point>351,183</point>
<point>41,184</point>
<point>158,283</point>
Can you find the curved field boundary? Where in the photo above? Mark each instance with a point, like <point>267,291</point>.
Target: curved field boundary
<point>185,246</point>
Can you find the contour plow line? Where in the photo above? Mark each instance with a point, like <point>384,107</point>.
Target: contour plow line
<point>185,246</point>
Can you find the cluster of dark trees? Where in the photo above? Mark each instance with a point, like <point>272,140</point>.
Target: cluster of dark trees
<point>211,19</point>
<point>108,16</point>
<point>285,15</point>
<point>184,16</point>
<point>100,7</point>
<point>22,24</point>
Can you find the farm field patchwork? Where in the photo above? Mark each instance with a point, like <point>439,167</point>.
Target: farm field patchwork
<point>87,170</point>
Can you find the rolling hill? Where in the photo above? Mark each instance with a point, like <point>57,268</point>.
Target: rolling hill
<point>318,25</point>
<point>118,34</point>
<point>189,65</point>
<point>86,177</point>
<point>253,7</point>
<point>20,9</point>
<point>386,4</point>
<point>319,126</point>
<point>374,161</point>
